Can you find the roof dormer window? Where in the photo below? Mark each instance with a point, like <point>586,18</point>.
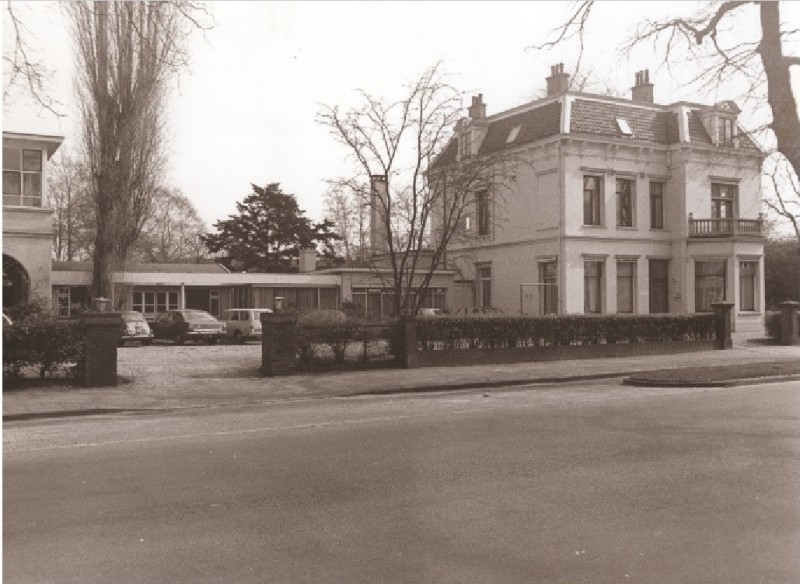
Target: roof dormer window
<point>512,135</point>
<point>726,131</point>
<point>624,127</point>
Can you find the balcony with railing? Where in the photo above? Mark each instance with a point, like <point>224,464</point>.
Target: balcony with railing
<point>728,227</point>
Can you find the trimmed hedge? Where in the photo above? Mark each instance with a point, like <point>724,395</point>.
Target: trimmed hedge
<point>548,331</point>
<point>339,332</point>
<point>43,343</point>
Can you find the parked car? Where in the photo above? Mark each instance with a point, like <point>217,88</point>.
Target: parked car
<point>243,323</point>
<point>429,312</point>
<point>134,327</point>
<point>188,325</point>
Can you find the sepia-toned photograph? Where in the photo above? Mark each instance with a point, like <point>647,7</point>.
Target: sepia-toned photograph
<point>400,292</point>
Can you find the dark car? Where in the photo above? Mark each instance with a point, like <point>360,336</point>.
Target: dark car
<point>134,327</point>
<point>188,325</point>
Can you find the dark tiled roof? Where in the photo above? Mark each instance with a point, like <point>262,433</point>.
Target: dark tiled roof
<point>535,124</point>
<point>207,268</point>
<point>448,155</point>
<point>599,118</point>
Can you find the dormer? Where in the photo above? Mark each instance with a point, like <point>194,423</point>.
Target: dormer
<point>720,123</point>
<point>471,131</point>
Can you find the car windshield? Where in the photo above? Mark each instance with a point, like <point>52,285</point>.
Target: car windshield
<point>197,316</point>
<point>132,317</point>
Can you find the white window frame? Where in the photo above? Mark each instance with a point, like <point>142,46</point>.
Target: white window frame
<point>24,177</point>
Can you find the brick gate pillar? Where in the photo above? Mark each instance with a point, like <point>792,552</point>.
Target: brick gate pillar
<point>278,343</point>
<point>723,325</point>
<point>102,332</point>
<point>789,325</point>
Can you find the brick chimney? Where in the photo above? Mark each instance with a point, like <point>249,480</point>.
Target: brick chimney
<point>477,111</point>
<point>377,208</point>
<point>558,82</point>
<point>643,89</point>
<point>307,260</point>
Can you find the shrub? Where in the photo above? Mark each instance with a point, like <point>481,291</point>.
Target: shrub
<point>41,342</point>
<point>520,332</point>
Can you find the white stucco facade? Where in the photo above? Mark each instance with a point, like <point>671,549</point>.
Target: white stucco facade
<point>670,217</point>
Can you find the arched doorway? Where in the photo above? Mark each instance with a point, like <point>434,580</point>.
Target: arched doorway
<point>16,283</point>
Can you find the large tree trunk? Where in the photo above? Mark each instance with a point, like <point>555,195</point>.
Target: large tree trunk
<point>786,123</point>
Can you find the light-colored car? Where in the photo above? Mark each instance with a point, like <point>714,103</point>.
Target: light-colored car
<point>429,312</point>
<point>477,311</point>
<point>243,323</point>
<point>134,327</point>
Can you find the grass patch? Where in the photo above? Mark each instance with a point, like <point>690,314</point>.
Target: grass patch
<point>719,373</point>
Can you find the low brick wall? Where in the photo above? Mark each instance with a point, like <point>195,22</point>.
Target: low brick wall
<point>462,357</point>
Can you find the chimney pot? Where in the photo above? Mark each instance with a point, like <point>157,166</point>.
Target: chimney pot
<point>642,89</point>
<point>477,111</point>
<point>558,82</point>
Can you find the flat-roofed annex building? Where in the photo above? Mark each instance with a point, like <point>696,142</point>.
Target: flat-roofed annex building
<point>613,206</point>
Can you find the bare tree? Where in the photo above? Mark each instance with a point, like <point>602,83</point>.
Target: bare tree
<point>418,208</point>
<point>126,53</point>
<point>69,194</point>
<point>347,208</point>
<point>171,232</point>
<point>782,193</point>
<point>22,69</point>
<point>715,38</point>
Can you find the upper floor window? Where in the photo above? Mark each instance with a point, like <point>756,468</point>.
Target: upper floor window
<point>484,213</point>
<point>656,205</point>
<point>592,199</point>
<point>723,200</point>
<point>22,177</point>
<point>624,202</point>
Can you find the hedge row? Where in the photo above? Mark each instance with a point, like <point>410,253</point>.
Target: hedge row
<point>42,343</point>
<point>548,331</point>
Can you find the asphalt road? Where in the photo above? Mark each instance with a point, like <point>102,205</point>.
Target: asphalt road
<point>572,484</point>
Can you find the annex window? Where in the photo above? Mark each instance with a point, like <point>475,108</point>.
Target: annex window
<point>485,285</point>
<point>548,274</point>
<point>624,202</point>
<point>593,286</point>
<point>747,285</point>
<point>723,200</point>
<point>152,302</point>
<point>22,177</point>
<point>624,127</point>
<point>626,286</point>
<point>709,284</point>
<point>656,205</point>
<point>63,301</point>
<point>592,198</point>
<point>484,213</point>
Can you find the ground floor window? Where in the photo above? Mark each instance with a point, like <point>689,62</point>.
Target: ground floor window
<point>626,286</point>
<point>593,286</point>
<point>709,284</point>
<point>548,278</point>
<point>485,285</point>
<point>659,286</point>
<point>747,285</point>
<point>378,303</point>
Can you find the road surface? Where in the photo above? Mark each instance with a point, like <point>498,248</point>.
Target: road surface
<point>597,483</point>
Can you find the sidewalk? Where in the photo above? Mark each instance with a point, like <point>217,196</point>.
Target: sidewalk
<point>168,377</point>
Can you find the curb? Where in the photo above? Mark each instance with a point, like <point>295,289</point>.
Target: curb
<point>645,382</point>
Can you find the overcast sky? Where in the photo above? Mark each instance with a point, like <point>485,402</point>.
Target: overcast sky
<point>245,112</point>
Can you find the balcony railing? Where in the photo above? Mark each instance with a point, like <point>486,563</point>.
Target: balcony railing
<point>726,227</point>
